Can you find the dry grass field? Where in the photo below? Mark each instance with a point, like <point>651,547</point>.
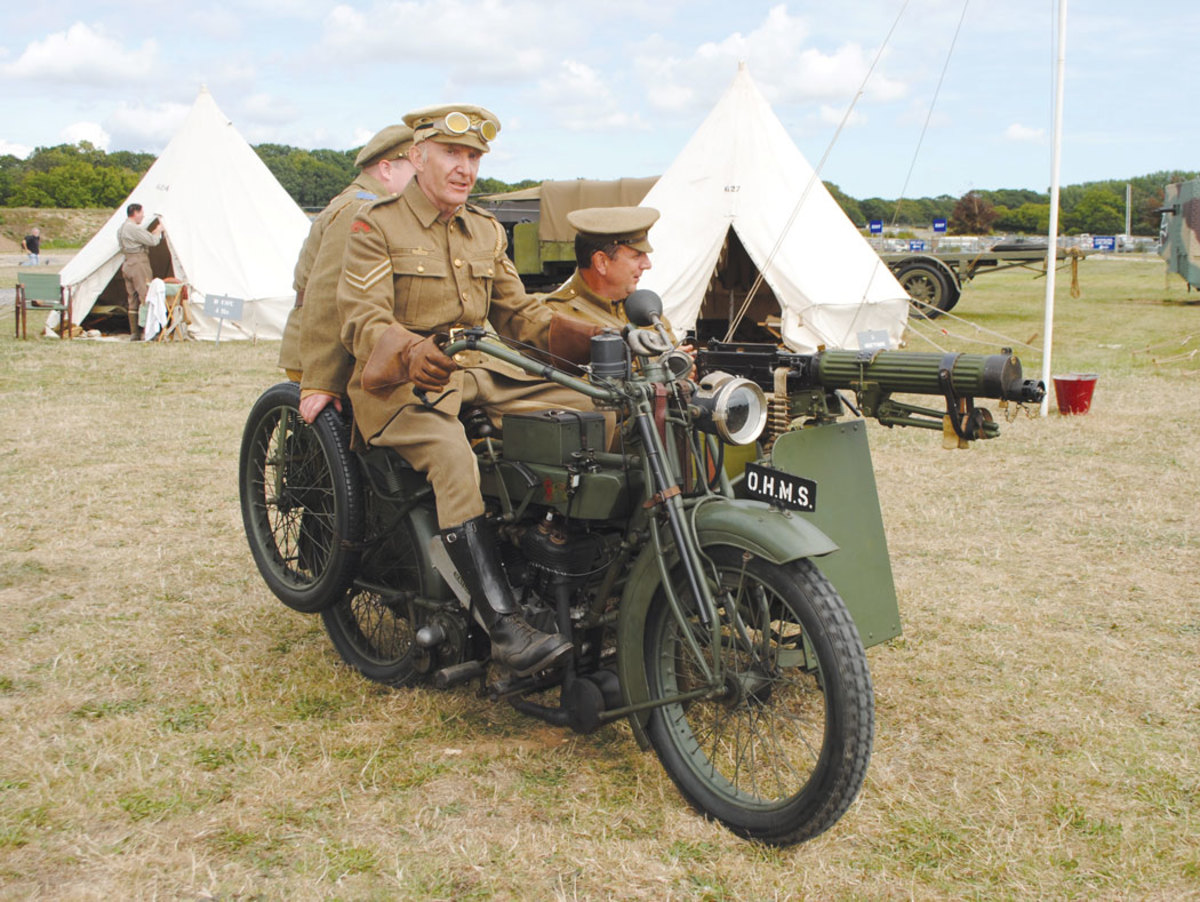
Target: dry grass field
<point>169,730</point>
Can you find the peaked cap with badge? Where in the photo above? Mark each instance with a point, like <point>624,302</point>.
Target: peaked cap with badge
<point>455,123</point>
<point>616,225</point>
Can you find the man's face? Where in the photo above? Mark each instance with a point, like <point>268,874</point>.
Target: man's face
<point>621,273</point>
<point>139,216</point>
<point>446,173</point>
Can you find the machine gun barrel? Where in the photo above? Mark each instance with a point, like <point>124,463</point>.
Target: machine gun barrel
<point>968,375</point>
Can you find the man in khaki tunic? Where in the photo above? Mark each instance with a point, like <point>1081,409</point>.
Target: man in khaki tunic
<point>314,335</point>
<point>415,266</point>
<point>612,250</point>
<point>326,364</point>
<point>135,243</point>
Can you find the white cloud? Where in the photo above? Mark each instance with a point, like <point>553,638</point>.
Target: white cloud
<point>576,97</point>
<point>83,55</point>
<point>266,108</point>
<point>1024,133</point>
<point>785,69</point>
<point>476,41</point>
<point>92,132</point>
<point>145,127</point>
<point>832,115</point>
<point>20,151</point>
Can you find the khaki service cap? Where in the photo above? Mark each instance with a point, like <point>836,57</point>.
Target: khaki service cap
<point>455,123</point>
<point>618,225</point>
<point>390,143</point>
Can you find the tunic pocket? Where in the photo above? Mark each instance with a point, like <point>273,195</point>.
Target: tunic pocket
<point>424,291</point>
<point>483,272</point>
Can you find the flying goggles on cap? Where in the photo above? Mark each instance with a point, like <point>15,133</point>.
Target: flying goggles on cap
<point>457,123</point>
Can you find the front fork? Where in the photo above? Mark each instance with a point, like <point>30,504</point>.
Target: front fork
<point>666,494</point>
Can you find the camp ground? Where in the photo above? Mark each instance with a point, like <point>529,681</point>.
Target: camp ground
<point>232,232</point>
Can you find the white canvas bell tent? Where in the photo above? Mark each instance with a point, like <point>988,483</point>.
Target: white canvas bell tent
<point>231,230</point>
<point>727,201</point>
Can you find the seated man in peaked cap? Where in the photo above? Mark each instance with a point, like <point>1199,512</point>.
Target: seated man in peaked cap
<point>612,250</point>
<point>416,265</point>
<point>312,349</point>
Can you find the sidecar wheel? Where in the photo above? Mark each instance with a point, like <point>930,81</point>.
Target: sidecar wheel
<point>783,751</point>
<point>301,500</point>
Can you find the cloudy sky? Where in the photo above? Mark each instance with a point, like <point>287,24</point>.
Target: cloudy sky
<point>602,90</point>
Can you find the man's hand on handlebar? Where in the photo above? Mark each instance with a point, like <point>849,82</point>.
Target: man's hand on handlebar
<point>428,368</point>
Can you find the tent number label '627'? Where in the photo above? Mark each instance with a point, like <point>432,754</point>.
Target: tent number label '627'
<point>781,489</point>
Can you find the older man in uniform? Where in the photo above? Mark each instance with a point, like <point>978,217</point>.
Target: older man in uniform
<point>417,265</point>
<point>312,351</point>
<point>135,242</point>
<point>612,250</point>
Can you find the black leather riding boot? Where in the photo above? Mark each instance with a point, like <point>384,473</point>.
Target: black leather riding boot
<point>515,644</point>
<point>135,332</point>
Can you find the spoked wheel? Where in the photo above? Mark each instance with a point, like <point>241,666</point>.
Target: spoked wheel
<point>374,626</point>
<point>783,751</point>
<point>301,500</point>
<point>933,292</point>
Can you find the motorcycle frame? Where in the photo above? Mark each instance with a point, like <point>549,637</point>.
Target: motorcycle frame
<point>712,518</point>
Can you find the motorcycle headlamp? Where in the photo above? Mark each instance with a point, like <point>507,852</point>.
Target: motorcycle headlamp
<point>731,407</point>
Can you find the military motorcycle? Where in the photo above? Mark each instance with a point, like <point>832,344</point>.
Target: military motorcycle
<point>692,593</point>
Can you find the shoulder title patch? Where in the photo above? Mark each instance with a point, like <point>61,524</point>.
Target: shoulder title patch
<point>359,226</point>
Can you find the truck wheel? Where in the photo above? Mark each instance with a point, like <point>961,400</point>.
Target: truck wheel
<point>933,292</point>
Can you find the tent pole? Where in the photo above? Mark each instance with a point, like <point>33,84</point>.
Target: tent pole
<point>1055,165</point>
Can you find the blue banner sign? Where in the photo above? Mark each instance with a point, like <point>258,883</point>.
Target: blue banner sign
<point>1104,242</point>
<point>916,244</point>
<point>939,225</point>
<point>876,226</point>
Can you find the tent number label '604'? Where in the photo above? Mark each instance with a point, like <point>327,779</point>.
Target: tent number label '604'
<point>781,489</point>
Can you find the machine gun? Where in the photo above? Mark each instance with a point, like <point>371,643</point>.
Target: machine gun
<point>806,387</point>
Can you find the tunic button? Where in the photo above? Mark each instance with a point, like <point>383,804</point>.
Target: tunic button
<point>458,263</point>
<point>420,269</point>
<point>491,272</point>
<point>464,295</point>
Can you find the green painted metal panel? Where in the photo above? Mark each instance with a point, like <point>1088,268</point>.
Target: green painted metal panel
<point>837,457</point>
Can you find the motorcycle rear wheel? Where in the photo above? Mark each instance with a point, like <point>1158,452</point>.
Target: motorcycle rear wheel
<point>782,755</point>
<point>301,500</point>
<point>373,627</point>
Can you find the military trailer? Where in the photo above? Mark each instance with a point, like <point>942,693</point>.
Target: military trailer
<point>1179,234</point>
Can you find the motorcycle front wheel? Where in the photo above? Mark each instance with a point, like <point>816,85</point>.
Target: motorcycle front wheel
<point>781,754</point>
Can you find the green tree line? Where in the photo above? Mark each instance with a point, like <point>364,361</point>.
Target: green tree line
<point>81,175</point>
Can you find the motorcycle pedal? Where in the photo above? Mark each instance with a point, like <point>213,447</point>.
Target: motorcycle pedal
<point>457,674</point>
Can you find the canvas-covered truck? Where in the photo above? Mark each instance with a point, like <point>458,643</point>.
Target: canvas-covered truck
<point>540,241</point>
<point>1179,233</point>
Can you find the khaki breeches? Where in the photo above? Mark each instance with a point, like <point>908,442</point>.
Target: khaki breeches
<point>436,443</point>
<point>137,274</point>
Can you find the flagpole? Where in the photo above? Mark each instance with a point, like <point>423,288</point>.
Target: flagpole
<point>1056,162</point>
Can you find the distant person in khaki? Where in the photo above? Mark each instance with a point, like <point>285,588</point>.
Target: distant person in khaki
<point>417,265</point>
<point>135,244</point>
<point>324,362</point>
<point>612,250</point>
